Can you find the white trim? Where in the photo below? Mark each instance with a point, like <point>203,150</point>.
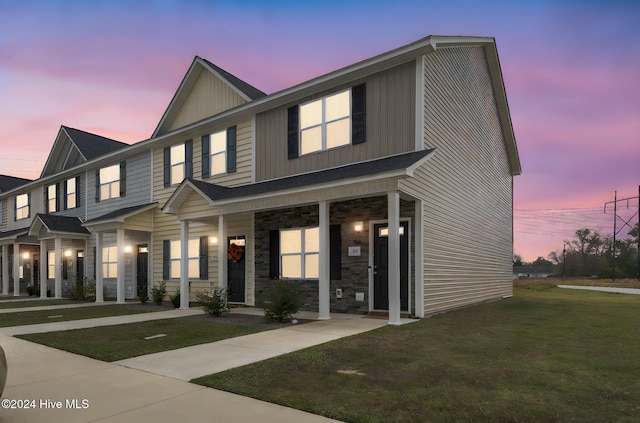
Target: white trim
<point>419,258</point>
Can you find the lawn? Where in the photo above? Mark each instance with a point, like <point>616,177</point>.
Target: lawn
<point>547,354</point>
<point>112,343</point>
<point>64,314</point>
<point>34,303</point>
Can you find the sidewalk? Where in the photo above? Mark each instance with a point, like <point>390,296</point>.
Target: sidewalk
<point>65,387</point>
<point>603,289</point>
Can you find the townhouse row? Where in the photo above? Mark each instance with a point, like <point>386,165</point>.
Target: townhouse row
<point>376,187</point>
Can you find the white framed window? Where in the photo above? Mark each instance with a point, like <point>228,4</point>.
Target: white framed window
<point>110,182</point>
<point>218,153</point>
<point>325,123</point>
<point>23,206</point>
<point>51,264</point>
<point>71,192</point>
<point>300,253</point>
<point>178,163</point>
<point>52,198</point>
<point>175,254</point>
<point>110,262</point>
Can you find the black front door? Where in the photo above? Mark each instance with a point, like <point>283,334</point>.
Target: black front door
<point>381,266</point>
<point>79,265</point>
<point>236,274</point>
<point>142,266</point>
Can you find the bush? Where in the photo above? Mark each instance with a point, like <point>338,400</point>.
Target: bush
<point>158,292</point>
<point>214,301</point>
<point>33,290</point>
<point>143,296</point>
<point>175,299</point>
<point>283,302</point>
<point>84,289</point>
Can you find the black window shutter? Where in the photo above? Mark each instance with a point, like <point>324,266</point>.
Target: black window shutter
<point>166,253</point>
<point>231,149</point>
<point>77,191</point>
<point>65,203</point>
<point>65,268</point>
<point>123,179</point>
<point>358,114</point>
<point>58,197</point>
<point>335,253</point>
<point>292,132</point>
<point>188,160</point>
<point>15,210</point>
<point>204,257</point>
<point>46,200</point>
<point>274,254</point>
<point>29,205</point>
<point>167,167</point>
<point>97,186</point>
<point>206,142</point>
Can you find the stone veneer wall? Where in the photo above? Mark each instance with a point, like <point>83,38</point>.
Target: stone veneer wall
<point>354,270</point>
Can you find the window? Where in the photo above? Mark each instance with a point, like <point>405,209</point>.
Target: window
<point>51,264</point>
<point>175,255</point>
<point>71,198</point>
<point>52,198</point>
<point>325,123</point>
<point>178,163</point>
<point>110,262</point>
<point>218,153</point>
<point>109,182</point>
<point>23,206</point>
<point>300,253</point>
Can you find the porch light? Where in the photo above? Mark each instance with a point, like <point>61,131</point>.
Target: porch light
<point>128,249</point>
<point>213,240</point>
<point>67,253</point>
<point>358,227</point>
<point>25,256</point>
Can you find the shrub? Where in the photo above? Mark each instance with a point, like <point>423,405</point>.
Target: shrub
<point>283,302</point>
<point>84,289</point>
<point>33,290</point>
<point>175,299</point>
<point>214,301</point>
<point>143,296</point>
<point>158,292</point>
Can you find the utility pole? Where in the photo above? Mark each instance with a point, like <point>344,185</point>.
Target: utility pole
<point>625,223</point>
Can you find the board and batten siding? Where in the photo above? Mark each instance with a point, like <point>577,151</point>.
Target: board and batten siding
<point>390,128</point>
<point>208,97</point>
<point>468,189</point>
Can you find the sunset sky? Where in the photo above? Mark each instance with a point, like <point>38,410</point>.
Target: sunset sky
<point>571,71</point>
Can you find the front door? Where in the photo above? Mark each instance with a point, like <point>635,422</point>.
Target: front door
<point>142,266</point>
<point>79,265</point>
<point>236,264</point>
<point>381,266</point>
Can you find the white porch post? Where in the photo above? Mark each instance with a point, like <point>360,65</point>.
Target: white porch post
<point>99,275</point>
<point>222,252</point>
<point>120,241</point>
<point>5,270</point>
<point>184,264</point>
<point>419,259</point>
<point>16,269</point>
<point>394,257</point>
<point>58,267</point>
<point>324,294</point>
<point>43,268</point>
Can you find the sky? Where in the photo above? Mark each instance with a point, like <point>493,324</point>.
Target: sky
<point>571,71</point>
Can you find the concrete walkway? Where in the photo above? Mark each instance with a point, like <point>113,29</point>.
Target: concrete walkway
<point>65,387</point>
<point>603,289</point>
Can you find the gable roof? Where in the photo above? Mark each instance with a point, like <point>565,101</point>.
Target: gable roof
<point>246,91</point>
<point>401,162</point>
<point>73,146</point>
<point>7,183</point>
<point>55,224</point>
<point>121,214</point>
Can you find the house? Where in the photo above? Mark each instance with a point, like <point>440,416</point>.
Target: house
<point>372,188</point>
<point>524,272</point>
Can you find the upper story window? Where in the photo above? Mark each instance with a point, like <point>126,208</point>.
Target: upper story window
<point>23,206</point>
<point>71,193</point>
<point>332,121</point>
<point>300,253</point>
<point>52,198</point>
<point>178,163</point>
<point>110,182</point>
<point>325,123</point>
<point>219,152</point>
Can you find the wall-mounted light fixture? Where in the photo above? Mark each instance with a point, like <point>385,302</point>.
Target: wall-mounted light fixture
<point>128,249</point>
<point>25,255</point>
<point>358,226</point>
<point>213,240</point>
<point>67,253</point>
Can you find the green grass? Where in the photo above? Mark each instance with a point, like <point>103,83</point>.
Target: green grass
<point>112,343</point>
<point>63,314</point>
<point>545,355</point>
<point>34,303</point>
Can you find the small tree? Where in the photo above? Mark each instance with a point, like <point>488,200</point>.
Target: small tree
<point>283,302</point>
<point>214,301</point>
<point>158,292</point>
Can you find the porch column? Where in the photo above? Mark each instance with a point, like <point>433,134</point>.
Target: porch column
<point>16,269</point>
<point>222,252</point>
<point>324,294</point>
<point>5,270</point>
<point>121,266</point>
<point>394,257</point>
<point>43,268</point>
<point>58,267</point>
<point>419,259</point>
<point>99,277</point>
<point>184,264</point>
